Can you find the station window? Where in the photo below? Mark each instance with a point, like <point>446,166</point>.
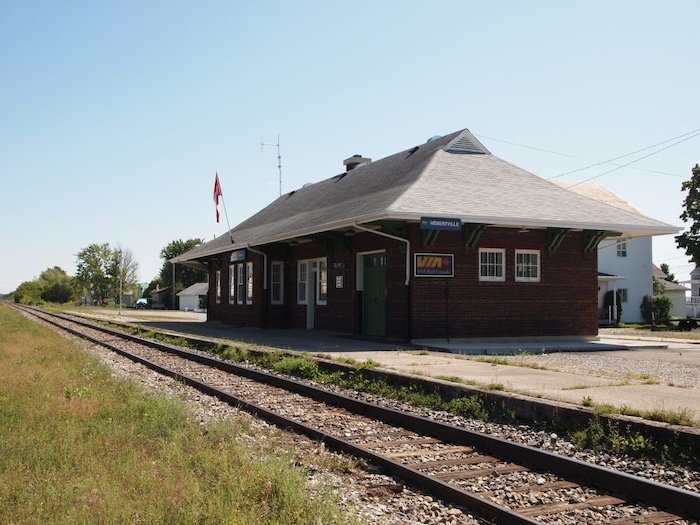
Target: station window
<point>322,282</point>
<point>232,284</point>
<point>249,283</point>
<point>277,282</point>
<point>527,265</point>
<point>319,270</point>
<point>492,264</point>
<point>240,283</point>
<point>302,276</point>
<point>218,286</point>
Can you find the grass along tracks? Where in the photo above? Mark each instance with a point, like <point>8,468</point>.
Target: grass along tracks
<point>78,446</point>
<point>446,466</point>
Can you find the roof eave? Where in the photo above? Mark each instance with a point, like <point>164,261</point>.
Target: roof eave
<point>304,232</point>
<point>627,230</point>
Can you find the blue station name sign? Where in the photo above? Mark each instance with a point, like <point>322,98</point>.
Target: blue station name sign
<point>434,265</point>
<point>440,223</point>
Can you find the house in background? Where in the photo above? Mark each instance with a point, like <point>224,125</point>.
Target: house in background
<point>693,302</point>
<point>194,297</point>
<point>161,297</point>
<point>674,291</point>
<point>624,265</point>
<point>440,241</point>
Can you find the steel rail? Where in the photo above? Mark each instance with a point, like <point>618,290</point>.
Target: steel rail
<point>633,488</point>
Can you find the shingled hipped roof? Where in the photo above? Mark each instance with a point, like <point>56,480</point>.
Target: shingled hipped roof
<point>452,176</point>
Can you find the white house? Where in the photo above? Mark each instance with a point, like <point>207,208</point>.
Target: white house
<point>192,297</point>
<point>693,302</point>
<point>623,264</point>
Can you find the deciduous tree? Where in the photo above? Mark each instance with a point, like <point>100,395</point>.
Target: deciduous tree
<point>185,276</point>
<point>667,271</point>
<point>122,269</point>
<point>690,239</point>
<point>92,274</point>
<point>56,285</point>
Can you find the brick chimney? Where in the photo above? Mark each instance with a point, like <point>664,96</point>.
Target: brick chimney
<point>354,161</point>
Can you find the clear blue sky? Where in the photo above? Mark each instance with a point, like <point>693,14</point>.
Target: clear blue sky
<point>114,116</point>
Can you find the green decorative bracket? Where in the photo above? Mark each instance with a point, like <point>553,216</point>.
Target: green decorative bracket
<point>395,228</point>
<point>332,240</point>
<point>472,233</point>
<point>591,238</point>
<point>430,237</point>
<point>555,236</point>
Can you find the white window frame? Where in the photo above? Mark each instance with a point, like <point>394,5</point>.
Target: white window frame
<point>249,283</point>
<point>520,266</point>
<point>493,278</point>
<point>232,284</point>
<point>624,294</point>
<point>218,286</point>
<point>321,281</point>
<point>622,249</point>
<point>240,283</point>
<point>302,277</point>
<point>319,267</point>
<point>277,267</point>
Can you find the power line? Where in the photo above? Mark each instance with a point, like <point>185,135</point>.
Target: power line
<point>575,156</point>
<point>529,147</point>
<point>695,132</point>
<point>637,160</point>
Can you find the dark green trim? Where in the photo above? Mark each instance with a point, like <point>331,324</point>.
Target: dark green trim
<point>555,236</point>
<point>332,240</point>
<point>430,237</point>
<point>591,238</point>
<point>472,233</point>
<point>395,228</point>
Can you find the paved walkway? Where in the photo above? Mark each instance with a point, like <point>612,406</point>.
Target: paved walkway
<point>615,370</point>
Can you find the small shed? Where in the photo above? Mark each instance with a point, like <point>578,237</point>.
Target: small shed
<point>161,297</point>
<point>194,297</point>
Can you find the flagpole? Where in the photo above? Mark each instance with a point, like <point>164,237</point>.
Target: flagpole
<point>223,202</point>
<point>220,194</point>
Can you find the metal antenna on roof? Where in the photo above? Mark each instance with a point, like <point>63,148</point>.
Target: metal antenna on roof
<point>279,156</point>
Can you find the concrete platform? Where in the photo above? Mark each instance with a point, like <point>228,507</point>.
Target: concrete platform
<point>601,379</point>
<point>481,347</point>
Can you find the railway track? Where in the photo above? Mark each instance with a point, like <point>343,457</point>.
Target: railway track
<point>502,481</point>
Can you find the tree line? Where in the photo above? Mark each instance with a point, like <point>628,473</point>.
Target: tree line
<point>103,272</point>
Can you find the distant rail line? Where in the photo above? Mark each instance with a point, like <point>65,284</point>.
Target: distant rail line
<point>499,480</point>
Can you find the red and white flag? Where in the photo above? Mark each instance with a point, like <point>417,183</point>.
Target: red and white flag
<point>217,194</point>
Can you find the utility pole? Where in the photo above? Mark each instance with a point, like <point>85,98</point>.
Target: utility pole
<point>279,157</point>
<point>121,278</point>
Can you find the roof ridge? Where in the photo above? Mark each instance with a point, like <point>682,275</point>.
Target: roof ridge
<point>466,143</point>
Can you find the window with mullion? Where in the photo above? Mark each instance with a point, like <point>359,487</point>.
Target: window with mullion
<point>277,282</point>
<point>232,284</point>
<point>302,276</point>
<point>527,265</point>
<point>240,283</point>
<point>492,264</point>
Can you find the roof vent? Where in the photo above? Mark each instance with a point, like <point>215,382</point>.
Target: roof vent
<point>434,137</point>
<point>355,162</point>
<point>465,143</point>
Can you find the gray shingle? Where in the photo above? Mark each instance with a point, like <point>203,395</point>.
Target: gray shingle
<point>453,176</point>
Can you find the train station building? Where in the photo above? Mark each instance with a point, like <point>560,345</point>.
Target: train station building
<point>440,241</point>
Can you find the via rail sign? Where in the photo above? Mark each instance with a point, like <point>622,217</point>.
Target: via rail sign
<point>434,265</point>
<point>440,223</point>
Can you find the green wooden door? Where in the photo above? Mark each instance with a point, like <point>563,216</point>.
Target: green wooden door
<point>374,294</point>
